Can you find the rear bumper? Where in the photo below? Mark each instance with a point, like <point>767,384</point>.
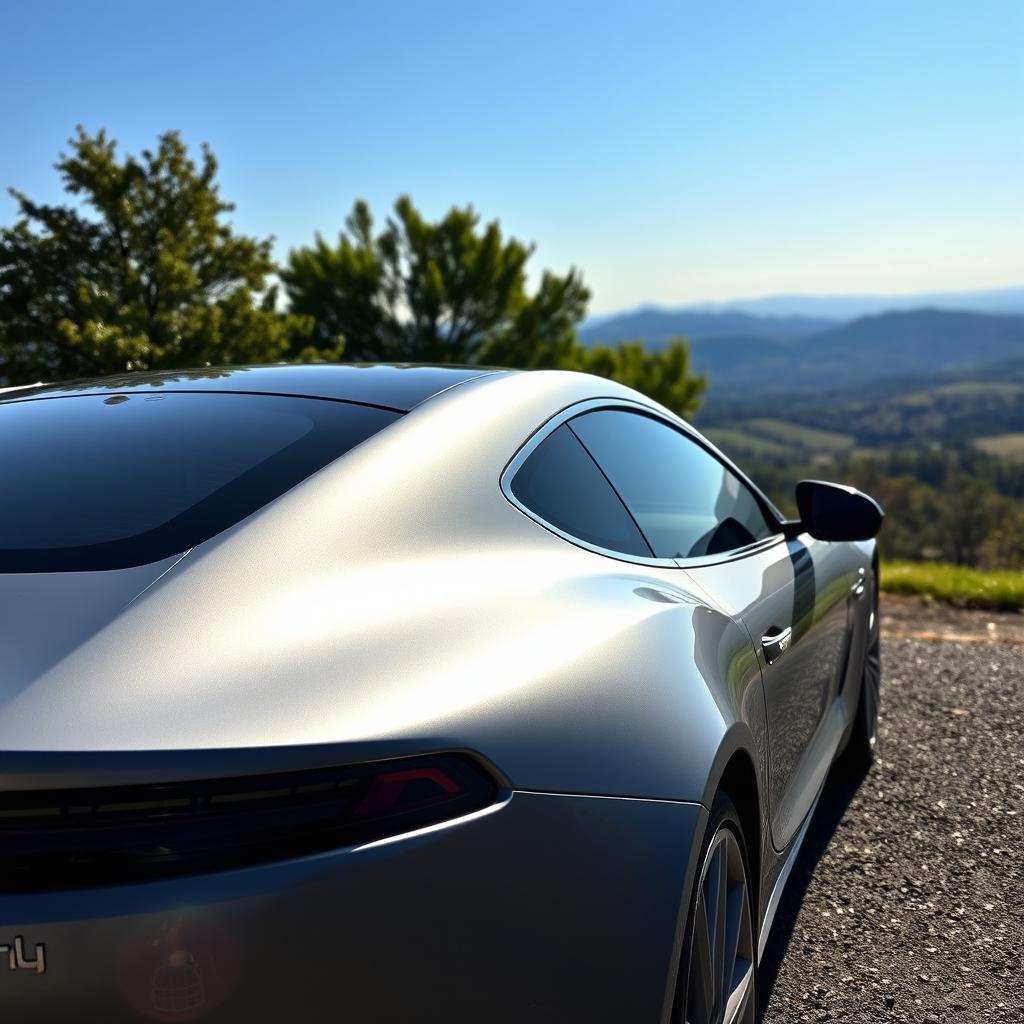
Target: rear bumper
<point>545,908</point>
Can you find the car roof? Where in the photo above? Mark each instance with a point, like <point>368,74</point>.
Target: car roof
<point>399,386</point>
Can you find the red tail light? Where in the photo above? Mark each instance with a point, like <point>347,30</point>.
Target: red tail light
<point>101,836</point>
<point>399,789</point>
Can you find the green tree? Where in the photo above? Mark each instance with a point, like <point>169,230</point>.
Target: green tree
<point>455,291</point>
<point>665,375</point>
<point>140,271</point>
<point>1003,546</point>
<point>971,510</point>
<point>416,291</point>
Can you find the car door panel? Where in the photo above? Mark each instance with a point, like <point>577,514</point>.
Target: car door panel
<point>803,586</point>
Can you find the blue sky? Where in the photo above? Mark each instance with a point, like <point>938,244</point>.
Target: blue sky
<point>676,152</point>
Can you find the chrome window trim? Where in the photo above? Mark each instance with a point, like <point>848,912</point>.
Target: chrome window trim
<point>595,404</point>
<point>699,561</point>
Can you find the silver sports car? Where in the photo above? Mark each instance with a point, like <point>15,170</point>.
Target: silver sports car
<point>371,694</point>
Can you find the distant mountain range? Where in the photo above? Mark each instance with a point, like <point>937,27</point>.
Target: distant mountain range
<point>764,355</point>
<point>657,326</point>
<point>787,314</point>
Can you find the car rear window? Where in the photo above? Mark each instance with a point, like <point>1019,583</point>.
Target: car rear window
<point>110,481</point>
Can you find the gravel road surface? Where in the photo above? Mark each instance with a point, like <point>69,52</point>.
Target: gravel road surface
<point>907,901</point>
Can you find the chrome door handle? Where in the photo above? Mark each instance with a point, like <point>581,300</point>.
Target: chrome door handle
<point>775,643</point>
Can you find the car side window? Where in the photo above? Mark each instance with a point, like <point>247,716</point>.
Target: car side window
<point>561,483</point>
<point>685,501</point>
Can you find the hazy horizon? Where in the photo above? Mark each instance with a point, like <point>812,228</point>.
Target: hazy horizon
<point>1009,298</point>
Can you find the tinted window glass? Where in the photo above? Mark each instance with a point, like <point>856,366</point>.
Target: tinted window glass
<point>561,484</point>
<point>108,481</point>
<point>685,501</point>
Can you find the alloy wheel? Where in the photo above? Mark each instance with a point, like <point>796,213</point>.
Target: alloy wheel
<point>720,979</point>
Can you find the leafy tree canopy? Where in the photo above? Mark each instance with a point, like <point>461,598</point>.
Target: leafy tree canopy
<point>665,375</point>
<point>421,292</point>
<point>141,271</point>
<point>456,291</point>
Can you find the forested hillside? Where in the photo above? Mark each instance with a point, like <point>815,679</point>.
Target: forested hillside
<point>944,456</point>
<point>871,351</point>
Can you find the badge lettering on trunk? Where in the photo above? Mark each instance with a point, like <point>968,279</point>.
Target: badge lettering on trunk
<point>18,961</point>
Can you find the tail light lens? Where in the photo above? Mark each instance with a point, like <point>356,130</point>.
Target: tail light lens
<point>98,836</point>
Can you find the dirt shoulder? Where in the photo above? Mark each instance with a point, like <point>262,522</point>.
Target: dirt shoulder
<point>916,619</point>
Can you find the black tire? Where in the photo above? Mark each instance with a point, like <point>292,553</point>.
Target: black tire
<point>864,738</point>
<point>718,966</point>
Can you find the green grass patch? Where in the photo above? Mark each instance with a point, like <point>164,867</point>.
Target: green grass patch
<point>1000,589</point>
<point>1002,446</point>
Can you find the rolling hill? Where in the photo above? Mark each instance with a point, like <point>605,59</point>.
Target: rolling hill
<point>787,389</point>
<point>871,349</point>
<point>784,344</point>
<point>656,326</point>
<point>800,308</point>
<point>986,412</point>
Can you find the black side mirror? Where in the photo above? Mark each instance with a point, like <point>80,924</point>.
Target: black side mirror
<point>835,512</point>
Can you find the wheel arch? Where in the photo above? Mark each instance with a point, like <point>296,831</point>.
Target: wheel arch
<point>735,774</point>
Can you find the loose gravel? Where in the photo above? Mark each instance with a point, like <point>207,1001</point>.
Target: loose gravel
<point>907,902</point>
